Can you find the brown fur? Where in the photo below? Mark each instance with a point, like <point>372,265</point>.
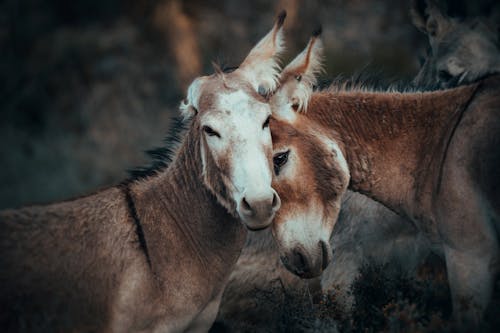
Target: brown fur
<point>318,172</point>
<point>418,154</point>
<point>312,182</point>
<point>406,136</point>
<point>79,266</point>
<point>155,253</point>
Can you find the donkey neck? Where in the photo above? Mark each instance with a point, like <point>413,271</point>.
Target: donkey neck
<point>185,228</point>
<point>392,140</point>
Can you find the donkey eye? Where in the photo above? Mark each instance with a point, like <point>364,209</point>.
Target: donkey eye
<point>210,131</point>
<point>279,160</point>
<point>266,123</point>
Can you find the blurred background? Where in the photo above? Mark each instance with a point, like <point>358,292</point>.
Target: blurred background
<point>88,85</point>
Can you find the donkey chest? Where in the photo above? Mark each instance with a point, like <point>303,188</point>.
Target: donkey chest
<point>153,303</point>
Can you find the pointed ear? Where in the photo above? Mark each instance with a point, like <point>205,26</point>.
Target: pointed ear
<point>189,106</point>
<point>261,67</point>
<point>437,19</point>
<point>418,14</point>
<point>309,63</point>
<point>428,17</point>
<point>305,69</point>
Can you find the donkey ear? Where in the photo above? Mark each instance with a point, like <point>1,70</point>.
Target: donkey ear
<point>427,16</point>
<point>305,69</point>
<point>437,19</point>
<point>261,67</point>
<point>309,63</point>
<point>418,14</point>
<point>189,107</point>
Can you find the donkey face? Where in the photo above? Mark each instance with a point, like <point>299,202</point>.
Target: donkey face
<point>235,140</point>
<point>461,51</point>
<point>311,172</point>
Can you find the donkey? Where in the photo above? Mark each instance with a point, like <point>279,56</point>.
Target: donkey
<point>429,156</point>
<point>304,68</point>
<point>366,231</point>
<point>379,234</point>
<point>154,253</point>
<point>460,51</point>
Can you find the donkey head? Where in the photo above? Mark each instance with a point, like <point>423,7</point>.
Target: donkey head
<point>461,51</point>
<point>311,174</point>
<point>235,141</point>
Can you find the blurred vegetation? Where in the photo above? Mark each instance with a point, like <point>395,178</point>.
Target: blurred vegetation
<point>385,300</point>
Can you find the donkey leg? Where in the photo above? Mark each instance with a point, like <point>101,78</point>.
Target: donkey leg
<point>471,277</point>
<point>471,251</point>
<point>466,224</point>
<point>206,317</point>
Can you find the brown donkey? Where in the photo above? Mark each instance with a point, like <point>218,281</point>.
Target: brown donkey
<point>154,254</point>
<point>430,156</point>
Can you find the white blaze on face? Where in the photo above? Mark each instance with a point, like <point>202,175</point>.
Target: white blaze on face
<point>251,169</point>
<point>243,143</point>
<point>236,139</point>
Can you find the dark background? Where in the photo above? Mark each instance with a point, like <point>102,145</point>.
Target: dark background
<point>88,85</point>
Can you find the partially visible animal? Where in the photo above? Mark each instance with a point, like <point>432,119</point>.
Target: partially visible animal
<point>461,50</point>
<point>429,156</point>
<point>154,253</point>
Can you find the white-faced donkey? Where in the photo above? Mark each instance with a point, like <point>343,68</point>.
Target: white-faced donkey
<point>152,254</point>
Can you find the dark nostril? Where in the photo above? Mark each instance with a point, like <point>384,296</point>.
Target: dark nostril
<point>246,205</point>
<point>444,75</point>
<point>324,252</point>
<point>300,261</point>
<point>276,201</point>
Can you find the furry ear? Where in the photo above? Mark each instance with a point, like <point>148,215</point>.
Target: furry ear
<point>309,63</point>
<point>261,67</point>
<point>189,106</point>
<point>437,19</point>
<point>418,14</point>
<point>305,69</point>
<point>428,17</point>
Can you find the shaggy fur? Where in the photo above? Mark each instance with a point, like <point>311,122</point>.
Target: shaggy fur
<point>418,154</point>
<point>154,253</point>
<point>81,265</point>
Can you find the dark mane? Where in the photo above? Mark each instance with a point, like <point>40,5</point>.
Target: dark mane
<point>223,63</point>
<point>162,156</point>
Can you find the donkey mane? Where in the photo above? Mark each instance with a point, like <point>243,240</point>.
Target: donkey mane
<point>161,157</point>
<point>367,80</point>
<point>361,81</point>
